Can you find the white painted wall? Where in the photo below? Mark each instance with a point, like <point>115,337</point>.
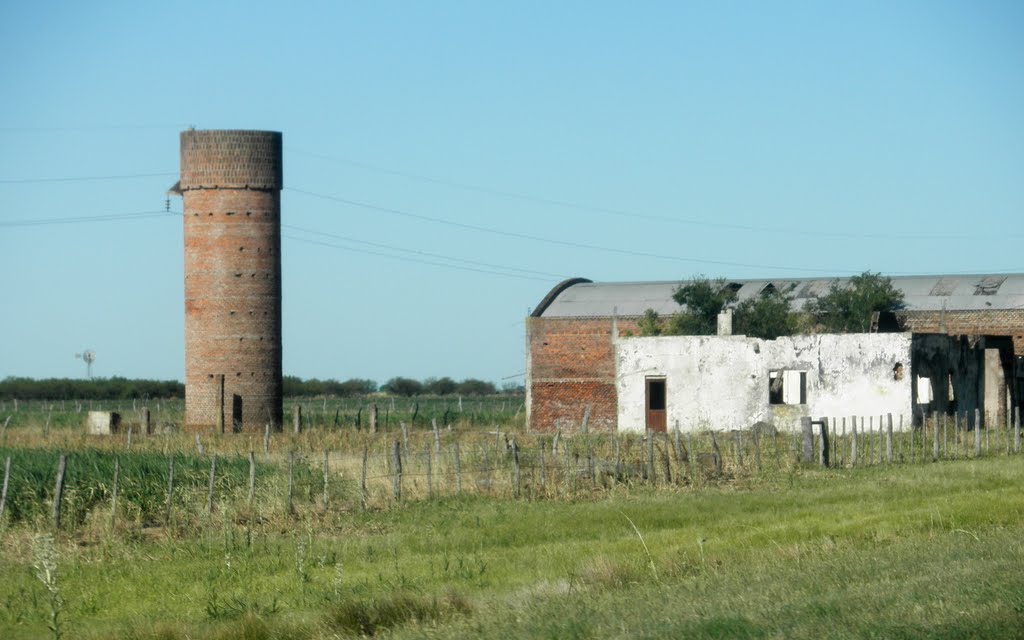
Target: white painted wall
<point>715,382</point>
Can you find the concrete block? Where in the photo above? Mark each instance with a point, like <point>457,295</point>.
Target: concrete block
<point>102,423</point>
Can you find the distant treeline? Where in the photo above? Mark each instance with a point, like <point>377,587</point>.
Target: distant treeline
<point>127,389</point>
<point>94,389</point>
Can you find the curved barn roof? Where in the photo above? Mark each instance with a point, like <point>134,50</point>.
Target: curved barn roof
<point>581,298</point>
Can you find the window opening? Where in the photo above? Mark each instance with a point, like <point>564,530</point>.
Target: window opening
<point>787,387</point>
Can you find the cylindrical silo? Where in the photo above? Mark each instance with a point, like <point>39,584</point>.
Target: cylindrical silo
<point>231,188</point>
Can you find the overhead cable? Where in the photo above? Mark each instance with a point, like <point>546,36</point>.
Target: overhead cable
<point>789,231</point>
<point>564,243</point>
<point>416,260</point>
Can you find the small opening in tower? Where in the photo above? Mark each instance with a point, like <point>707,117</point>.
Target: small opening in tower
<point>231,213</point>
<point>231,313</point>
<point>248,213</point>
<point>241,248</point>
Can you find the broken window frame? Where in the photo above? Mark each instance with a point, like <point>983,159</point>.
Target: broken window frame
<point>778,395</point>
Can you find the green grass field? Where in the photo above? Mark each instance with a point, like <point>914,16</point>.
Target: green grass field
<point>931,550</point>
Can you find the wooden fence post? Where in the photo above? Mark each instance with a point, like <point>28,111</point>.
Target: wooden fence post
<point>327,477</point>
<point>396,461</point>
<point>738,439</point>
<point>1017,430</point>
<point>362,483</point>
<point>586,419</point>
<point>618,457</point>
<point>291,480</point>
<point>209,494</point>
<point>458,468</point>
<point>145,423</point>
<point>888,439</point>
<point>540,456</point>
<point>977,433</point>
<point>3,492</point>
<point>691,454</point>
<point>199,446</point>
<point>373,418</point>
<point>806,429</point>
<point>824,452</point>
<point>650,457</point>
<point>430,474</point>
<point>405,438</point>
<point>755,438</point>
<point>297,418</point>
<point>853,442</point>
<point>935,438</point>
<point>717,453</point>
<point>667,461</point>
<point>437,435</point>
<point>58,490</point>
<point>170,492</point>
<point>113,493</point>
<point>515,461</point>
<point>266,440</point>
<point>252,475</point>
<point>945,439</point>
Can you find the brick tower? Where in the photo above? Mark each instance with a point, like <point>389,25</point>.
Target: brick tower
<point>231,188</point>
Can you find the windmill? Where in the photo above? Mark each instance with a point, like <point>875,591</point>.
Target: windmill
<point>89,356</point>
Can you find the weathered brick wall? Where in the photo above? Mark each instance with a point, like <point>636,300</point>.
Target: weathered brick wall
<point>232,278</point>
<point>572,364</point>
<point>1002,322</point>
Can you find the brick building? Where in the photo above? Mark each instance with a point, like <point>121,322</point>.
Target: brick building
<point>571,334</point>
<point>231,188</point>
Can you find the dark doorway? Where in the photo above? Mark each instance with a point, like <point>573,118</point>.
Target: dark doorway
<point>656,420</point>
<point>236,412</point>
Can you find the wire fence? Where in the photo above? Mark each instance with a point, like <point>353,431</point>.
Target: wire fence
<point>182,480</point>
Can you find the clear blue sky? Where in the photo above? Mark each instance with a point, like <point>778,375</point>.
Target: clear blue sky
<point>741,139</point>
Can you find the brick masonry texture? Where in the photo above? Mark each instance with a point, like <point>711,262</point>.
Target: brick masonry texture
<point>572,364</point>
<point>1003,322</point>
<point>572,361</point>
<point>231,160</point>
<point>232,278</point>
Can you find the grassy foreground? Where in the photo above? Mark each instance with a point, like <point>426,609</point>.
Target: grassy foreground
<point>929,551</point>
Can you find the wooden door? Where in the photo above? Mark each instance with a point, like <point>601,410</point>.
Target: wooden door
<point>656,420</point>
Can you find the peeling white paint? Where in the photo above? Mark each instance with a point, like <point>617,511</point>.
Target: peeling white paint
<point>721,382</point>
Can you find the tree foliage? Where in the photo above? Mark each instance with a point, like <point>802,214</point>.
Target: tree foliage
<point>297,387</point>
<point>766,316</point>
<point>94,389</point>
<point>400,386</point>
<point>849,309</point>
<point>703,300</point>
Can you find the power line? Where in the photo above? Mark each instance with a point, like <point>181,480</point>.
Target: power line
<point>111,217</point>
<point>563,243</point>
<point>422,253</point>
<point>88,178</point>
<point>416,260</point>
<point>111,127</point>
<point>633,214</point>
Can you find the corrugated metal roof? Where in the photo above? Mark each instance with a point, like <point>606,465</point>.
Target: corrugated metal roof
<point>921,293</point>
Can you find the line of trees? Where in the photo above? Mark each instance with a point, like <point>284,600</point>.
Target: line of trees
<point>846,309</point>
<point>126,389</point>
